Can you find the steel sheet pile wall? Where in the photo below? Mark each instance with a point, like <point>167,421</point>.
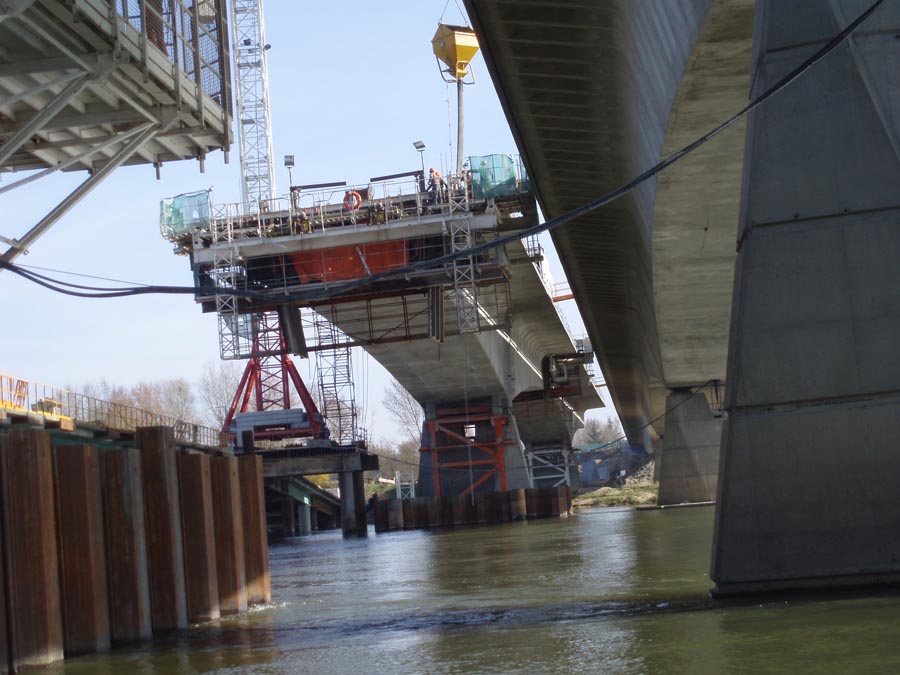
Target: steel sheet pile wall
<point>106,546</point>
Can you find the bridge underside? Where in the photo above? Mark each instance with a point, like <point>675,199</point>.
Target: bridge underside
<point>89,85</point>
<point>595,95</point>
<point>73,80</point>
<point>485,379</point>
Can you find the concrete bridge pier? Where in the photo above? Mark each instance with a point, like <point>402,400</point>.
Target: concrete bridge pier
<point>288,516</point>
<point>689,462</point>
<point>353,503</point>
<point>807,481</point>
<point>304,519</point>
<point>470,446</point>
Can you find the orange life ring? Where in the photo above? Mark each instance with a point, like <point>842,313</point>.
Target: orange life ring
<point>352,200</point>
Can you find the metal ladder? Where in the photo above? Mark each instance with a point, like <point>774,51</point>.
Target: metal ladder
<point>464,293</point>
<point>227,274</point>
<point>336,388</point>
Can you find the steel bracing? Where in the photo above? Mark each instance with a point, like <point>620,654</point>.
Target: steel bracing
<point>94,84</point>
<point>337,390</point>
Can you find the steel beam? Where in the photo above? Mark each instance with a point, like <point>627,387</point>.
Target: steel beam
<point>77,195</point>
<point>38,88</point>
<point>43,116</point>
<point>92,150</point>
<point>12,9</point>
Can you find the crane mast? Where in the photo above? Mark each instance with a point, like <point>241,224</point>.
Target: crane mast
<point>269,370</point>
<point>252,88</point>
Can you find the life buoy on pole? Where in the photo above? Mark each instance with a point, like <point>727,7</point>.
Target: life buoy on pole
<point>352,200</point>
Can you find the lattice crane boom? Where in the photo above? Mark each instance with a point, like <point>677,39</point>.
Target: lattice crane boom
<point>252,88</point>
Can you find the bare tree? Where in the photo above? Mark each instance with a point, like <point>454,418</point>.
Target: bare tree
<point>404,457</point>
<point>174,398</point>
<point>104,390</point>
<point>596,432</point>
<point>218,384</point>
<point>406,411</point>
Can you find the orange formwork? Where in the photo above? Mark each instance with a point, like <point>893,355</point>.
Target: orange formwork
<point>344,263</point>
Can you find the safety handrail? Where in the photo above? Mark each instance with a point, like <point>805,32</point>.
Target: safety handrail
<point>34,398</point>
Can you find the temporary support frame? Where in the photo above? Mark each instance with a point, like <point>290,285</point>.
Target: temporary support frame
<point>267,379</point>
<point>492,453</point>
<point>544,472</point>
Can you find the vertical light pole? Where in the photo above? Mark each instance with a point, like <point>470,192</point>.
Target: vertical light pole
<point>420,146</point>
<point>289,164</point>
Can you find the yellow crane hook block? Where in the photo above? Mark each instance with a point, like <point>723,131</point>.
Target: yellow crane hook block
<point>455,46</point>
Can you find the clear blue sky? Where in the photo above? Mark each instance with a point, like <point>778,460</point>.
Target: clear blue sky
<point>352,85</point>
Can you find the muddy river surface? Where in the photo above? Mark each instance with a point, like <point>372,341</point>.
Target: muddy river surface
<point>604,591</point>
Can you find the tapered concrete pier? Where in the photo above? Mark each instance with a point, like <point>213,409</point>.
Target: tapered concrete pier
<point>689,462</point>
<point>807,484</point>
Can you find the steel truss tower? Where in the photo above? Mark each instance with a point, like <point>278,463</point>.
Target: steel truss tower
<point>252,86</point>
<point>269,368</point>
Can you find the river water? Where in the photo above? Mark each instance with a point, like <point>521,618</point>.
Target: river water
<point>604,591</point>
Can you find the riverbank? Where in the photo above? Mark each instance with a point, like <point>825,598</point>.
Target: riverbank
<point>639,490</point>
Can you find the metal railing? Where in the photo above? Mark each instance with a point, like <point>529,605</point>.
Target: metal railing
<point>24,397</point>
<point>192,35</point>
<point>324,210</point>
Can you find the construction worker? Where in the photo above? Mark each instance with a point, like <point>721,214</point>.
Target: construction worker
<point>436,183</point>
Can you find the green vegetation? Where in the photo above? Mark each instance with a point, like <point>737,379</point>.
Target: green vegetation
<point>381,489</point>
<point>630,495</point>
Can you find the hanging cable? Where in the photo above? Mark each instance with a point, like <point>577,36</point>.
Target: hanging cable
<point>337,289</point>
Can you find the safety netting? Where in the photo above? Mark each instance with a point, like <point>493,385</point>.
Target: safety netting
<point>494,176</point>
<point>181,214</point>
